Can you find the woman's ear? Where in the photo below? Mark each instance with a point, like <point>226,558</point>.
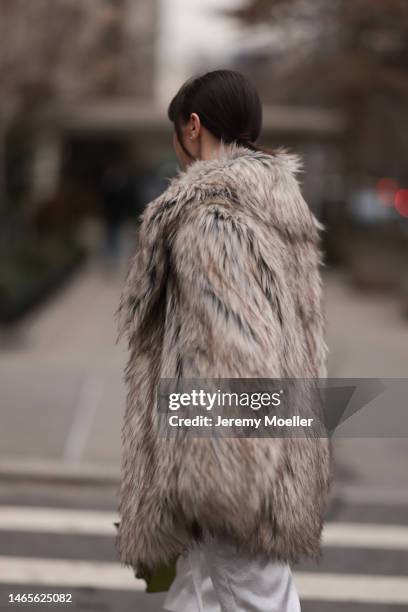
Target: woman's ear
<point>194,128</point>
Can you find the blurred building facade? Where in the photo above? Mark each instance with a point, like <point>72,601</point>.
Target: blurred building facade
<point>115,120</point>
<point>104,53</point>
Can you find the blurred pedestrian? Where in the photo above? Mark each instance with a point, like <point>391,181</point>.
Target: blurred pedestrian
<point>224,283</point>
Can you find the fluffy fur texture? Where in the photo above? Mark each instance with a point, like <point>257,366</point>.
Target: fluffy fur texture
<point>224,283</point>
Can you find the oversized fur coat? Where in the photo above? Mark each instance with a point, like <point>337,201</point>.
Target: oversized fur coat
<point>224,283</point>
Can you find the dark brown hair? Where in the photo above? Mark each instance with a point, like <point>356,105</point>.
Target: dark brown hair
<point>227,103</point>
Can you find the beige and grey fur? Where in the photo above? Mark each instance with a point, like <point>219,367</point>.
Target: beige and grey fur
<point>224,283</point>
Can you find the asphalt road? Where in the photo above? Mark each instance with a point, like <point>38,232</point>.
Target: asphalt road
<point>56,537</point>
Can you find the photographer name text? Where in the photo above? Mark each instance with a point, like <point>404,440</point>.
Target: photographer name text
<point>254,422</point>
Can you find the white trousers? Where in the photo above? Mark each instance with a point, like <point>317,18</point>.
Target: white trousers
<point>212,577</point>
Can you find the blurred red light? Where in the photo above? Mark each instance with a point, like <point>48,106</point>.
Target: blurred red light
<point>401,202</point>
<point>386,190</point>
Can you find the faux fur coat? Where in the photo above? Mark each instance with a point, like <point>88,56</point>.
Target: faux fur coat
<point>224,283</point>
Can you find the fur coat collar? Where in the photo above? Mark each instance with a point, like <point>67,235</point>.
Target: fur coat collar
<point>224,283</point>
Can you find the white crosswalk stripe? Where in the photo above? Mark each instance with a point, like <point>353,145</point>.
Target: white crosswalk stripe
<point>103,575</point>
<point>56,520</point>
<point>357,535</point>
<point>60,572</point>
<point>350,587</point>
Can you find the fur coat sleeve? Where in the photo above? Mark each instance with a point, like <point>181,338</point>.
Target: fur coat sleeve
<point>221,286</point>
